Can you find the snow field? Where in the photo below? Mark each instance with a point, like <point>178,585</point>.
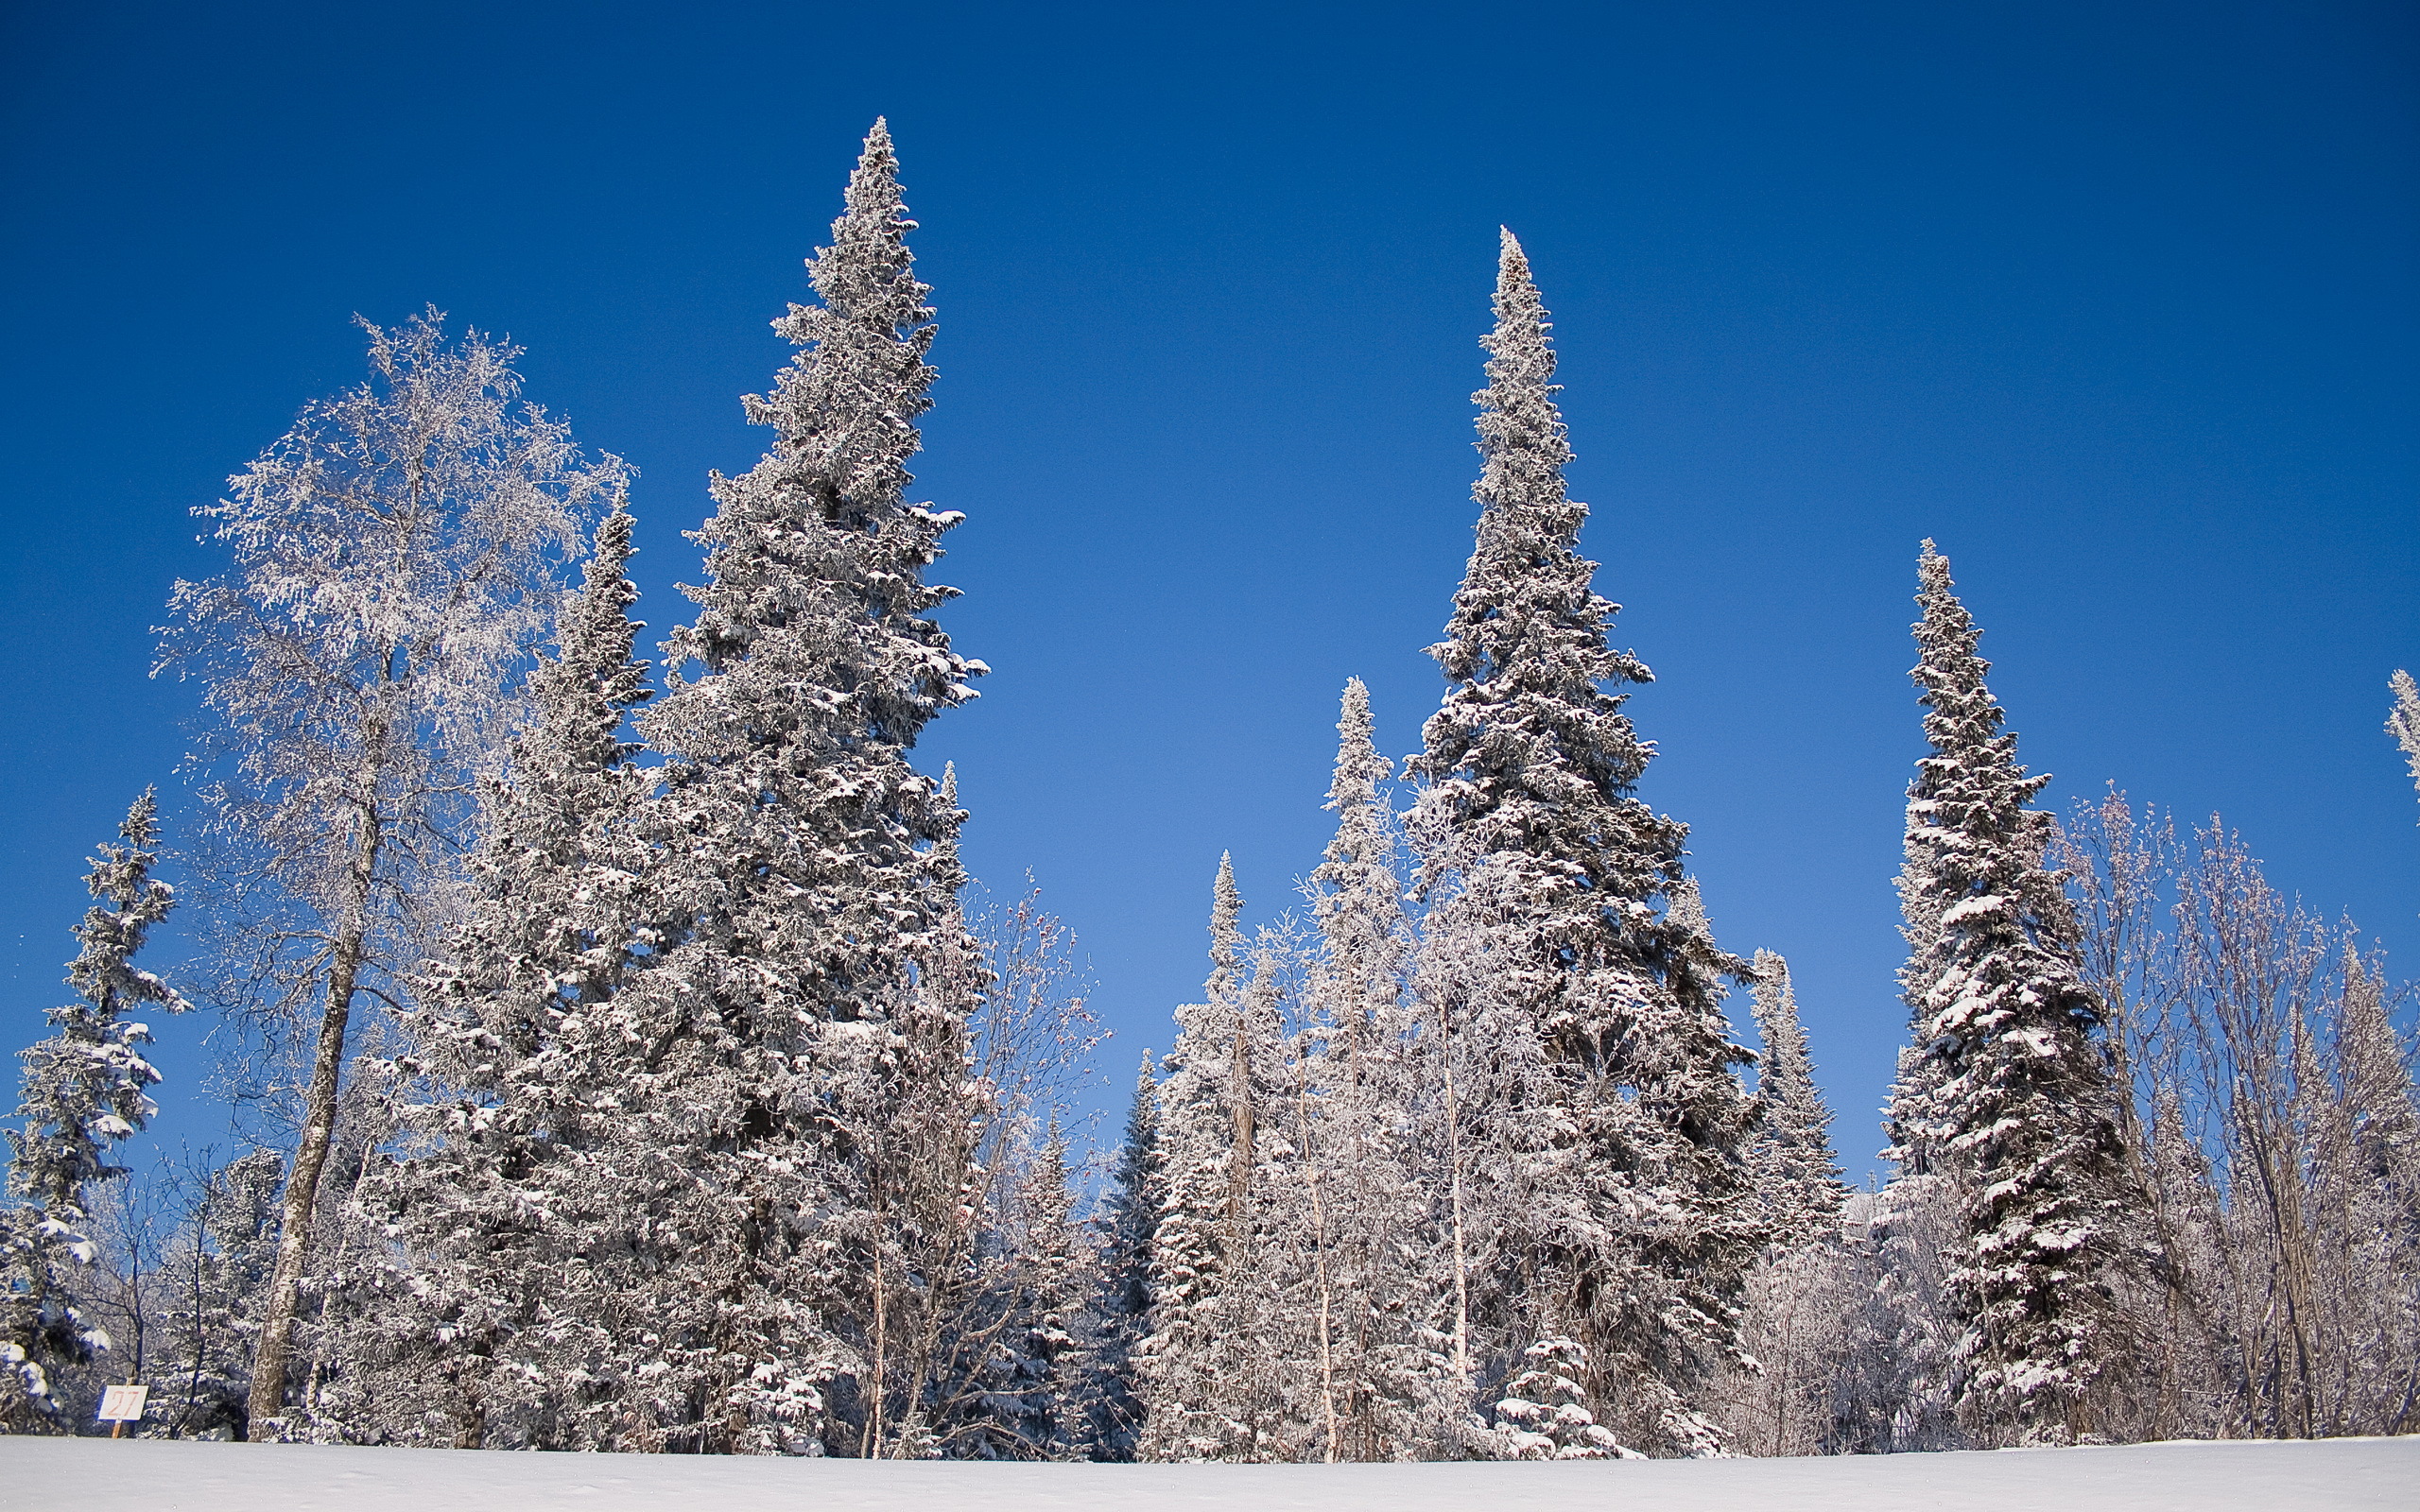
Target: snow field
<point>2177,1477</point>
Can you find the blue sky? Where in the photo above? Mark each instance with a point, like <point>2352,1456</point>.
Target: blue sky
<point>2115,301</point>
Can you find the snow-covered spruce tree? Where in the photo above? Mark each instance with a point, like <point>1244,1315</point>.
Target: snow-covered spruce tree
<point>1633,1239</point>
<point>85,1089</point>
<point>2008,1093</point>
<point>1791,1158</point>
<point>797,865</point>
<point>1207,1383</point>
<point>491,1315</point>
<point>1800,1294</point>
<point>1383,1385</point>
<point>1545,1411</point>
<point>395,556</point>
<point>1112,1398</point>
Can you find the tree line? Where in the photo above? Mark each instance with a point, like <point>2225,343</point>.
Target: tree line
<point>626,1066</point>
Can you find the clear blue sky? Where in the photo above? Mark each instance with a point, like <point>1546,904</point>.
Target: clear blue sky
<point>2115,300</point>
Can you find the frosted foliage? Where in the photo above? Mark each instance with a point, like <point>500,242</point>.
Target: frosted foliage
<point>393,556</point>
<point>2403,720</point>
<point>2009,1093</point>
<point>86,1088</point>
<point>1603,1116</point>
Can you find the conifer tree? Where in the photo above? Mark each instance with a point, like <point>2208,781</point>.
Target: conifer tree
<point>1791,1158</point>
<point>1129,1223</point>
<point>85,1089</point>
<point>1384,1382</point>
<point>1208,1388</point>
<point>801,881</point>
<point>2008,1092</point>
<point>1632,1241</point>
<point>495,1315</point>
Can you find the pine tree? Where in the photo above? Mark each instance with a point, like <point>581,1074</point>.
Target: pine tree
<point>1632,1241</point>
<point>493,1316</point>
<point>85,1089</point>
<point>2009,1091</point>
<point>1207,1389</point>
<point>1113,1399</point>
<point>1374,1281</point>
<point>800,869</point>
<point>1790,1160</point>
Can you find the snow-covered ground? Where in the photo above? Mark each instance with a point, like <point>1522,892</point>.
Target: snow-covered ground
<point>184,1477</point>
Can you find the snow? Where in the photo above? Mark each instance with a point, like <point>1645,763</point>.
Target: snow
<point>2186,1477</point>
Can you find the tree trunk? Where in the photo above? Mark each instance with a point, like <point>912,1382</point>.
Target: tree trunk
<point>318,1133</point>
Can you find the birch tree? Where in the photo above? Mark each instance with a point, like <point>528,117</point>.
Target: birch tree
<point>395,558</point>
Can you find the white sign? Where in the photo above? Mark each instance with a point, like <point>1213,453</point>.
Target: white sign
<point>122,1404</point>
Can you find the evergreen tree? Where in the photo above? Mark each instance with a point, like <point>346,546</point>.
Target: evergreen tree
<point>85,1089</point>
<point>1112,1401</point>
<point>803,890</point>
<point>1208,1389</point>
<point>2009,1093</point>
<point>1373,1284</point>
<point>497,1314</point>
<point>1791,1159</point>
<point>1632,1241</point>
<point>1545,1410</point>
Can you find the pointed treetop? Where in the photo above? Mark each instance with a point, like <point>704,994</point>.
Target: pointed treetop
<point>1687,909</point>
<point>1359,768</point>
<point>1226,933</point>
<point>1961,713</point>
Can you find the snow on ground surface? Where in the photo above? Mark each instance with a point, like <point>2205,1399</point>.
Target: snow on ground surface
<point>188,1477</point>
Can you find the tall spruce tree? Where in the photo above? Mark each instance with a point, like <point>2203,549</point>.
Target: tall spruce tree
<point>1207,1383</point>
<point>1130,1221</point>
<point>86,1088</point>
<point>1632,1242</point>
<point>799,870</point>
<point>1373,1278</point>
<point>1791,1159</point>
<point>499,1312</point>
<point>2008,1092</point>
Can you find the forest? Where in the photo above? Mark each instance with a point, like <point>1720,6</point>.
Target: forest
<point>625,1065</point>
